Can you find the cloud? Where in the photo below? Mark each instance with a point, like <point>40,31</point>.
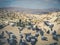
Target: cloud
<point>54,1</point>
<point>47,0</point>
<point>30,3</point>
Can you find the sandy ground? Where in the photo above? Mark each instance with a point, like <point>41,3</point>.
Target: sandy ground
<point>40,24</point>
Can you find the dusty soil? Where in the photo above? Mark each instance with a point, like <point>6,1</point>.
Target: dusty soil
<point>40,24</point>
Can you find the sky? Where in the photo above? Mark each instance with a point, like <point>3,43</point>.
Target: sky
<point>32,4</point>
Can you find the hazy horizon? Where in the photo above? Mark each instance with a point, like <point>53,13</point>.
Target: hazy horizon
<point>31,4</point>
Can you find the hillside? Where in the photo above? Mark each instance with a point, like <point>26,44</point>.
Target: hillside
<point>31,11</point>
<point>38,20</point>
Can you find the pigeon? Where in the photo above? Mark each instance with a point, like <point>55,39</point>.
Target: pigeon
<point>44,38</point>
<point>55,43</point>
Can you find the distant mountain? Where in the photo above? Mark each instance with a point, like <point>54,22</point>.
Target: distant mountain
<point>32,11</point>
